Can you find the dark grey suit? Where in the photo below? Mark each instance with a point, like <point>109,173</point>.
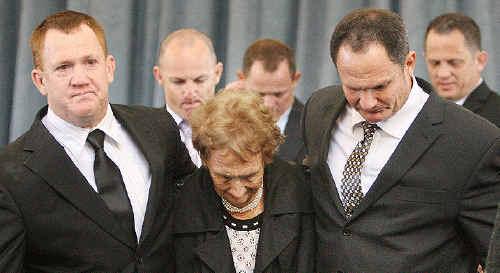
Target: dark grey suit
<point>51,220</point>
<point>493,261</point>
<point>484,102</point>
<point>431,208</point>
<point>293,149</point>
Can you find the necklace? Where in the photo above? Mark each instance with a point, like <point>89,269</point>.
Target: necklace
<point>253,204</point>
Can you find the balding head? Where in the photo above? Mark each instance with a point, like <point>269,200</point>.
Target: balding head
<point>186,38</point>
<point>187,70</point>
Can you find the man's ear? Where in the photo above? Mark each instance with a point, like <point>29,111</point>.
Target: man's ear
<point>240,75</point>
<point>219,68</point>
<point>157,74</point>
<point>296,77</point>
<point>481,60</point>
<point>38,80</point>
<point>110,68</point>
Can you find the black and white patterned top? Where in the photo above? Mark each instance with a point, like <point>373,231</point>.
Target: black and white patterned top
<point>243,238</point>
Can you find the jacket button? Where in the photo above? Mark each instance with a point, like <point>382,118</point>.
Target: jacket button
<point>347,232</point>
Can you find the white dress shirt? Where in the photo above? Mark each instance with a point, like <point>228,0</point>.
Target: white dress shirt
<point>282,121</point>
<point>186,135</point>
<point>348,132</point>
<point>118,146</point>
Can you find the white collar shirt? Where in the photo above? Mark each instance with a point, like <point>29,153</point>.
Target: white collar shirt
<point>462,100</point>
<point>118,146</point>
<point>348,132</point>
<point>185,133</point>
<point>283,120</point>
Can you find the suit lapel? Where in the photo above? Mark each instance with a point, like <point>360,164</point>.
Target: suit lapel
<point>424,130</point>
<point>330,116</point>
<point>148,143</point>
<point>293,143</point>
<point>215,252</point>
<point>477,98</point>
<point>49,160</point>
<point>281,217</point>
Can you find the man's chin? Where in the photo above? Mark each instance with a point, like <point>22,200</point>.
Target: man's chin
<point>374,117</point>
<point>449,94</point>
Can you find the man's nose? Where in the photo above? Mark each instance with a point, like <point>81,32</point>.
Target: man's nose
<point>269,101</point>
<point>79,75</point>
<point>443,71</point>
<point>190,89</point>
<point>367,99</point>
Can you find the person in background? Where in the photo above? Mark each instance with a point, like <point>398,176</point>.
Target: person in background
<point>245,210</point>
<point>269,69</point>
<point>188,71</point>
<point>398,183</point>
<point>88,187</point>
<point>455,60</point>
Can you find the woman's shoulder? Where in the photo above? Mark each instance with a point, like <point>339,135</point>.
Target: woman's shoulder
<point>288,186</point>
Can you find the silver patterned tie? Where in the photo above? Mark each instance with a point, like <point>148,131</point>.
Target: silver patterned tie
<point>351,176</point>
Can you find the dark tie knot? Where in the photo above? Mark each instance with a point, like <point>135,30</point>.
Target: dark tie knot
<point>96,139</point>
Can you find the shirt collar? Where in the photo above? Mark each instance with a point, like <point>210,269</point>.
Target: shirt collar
<point>73,137</point>
<point>282,121</point>
<point>178,119</point>
<point>397,124</point>
<point>462,100</point>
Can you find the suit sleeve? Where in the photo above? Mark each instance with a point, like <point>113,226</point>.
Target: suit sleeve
<point>479,200</point>
<point>12,234</point>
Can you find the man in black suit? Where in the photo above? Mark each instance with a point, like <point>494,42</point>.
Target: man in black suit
<point>269,69</point>
<point>188,71</point>
<point>398,185</point>
<point>89,187</point>
<point>455,61</point>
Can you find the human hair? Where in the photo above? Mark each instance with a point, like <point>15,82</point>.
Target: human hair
<point>271,53</point>
<point>236,120</point>
<point>66,21</point>
<point>365,26</point>
<point>187,37</point>
<point>448,22</point>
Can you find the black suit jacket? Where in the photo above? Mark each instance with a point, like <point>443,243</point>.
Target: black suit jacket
<point>293,149</point>
<point>432,206</point>
<point>51,220</point>
<point>286,242</point>
<point>484,102</point>
<point>493,261</point>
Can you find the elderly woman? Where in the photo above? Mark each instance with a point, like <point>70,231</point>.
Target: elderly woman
<point>244,210</point>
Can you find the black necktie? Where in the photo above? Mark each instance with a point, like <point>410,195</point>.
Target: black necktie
<point>351,180</point>
<point>110,183</point>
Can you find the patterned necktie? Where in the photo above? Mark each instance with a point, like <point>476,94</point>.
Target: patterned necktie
<point>351,180</point>
<point>110,184</point>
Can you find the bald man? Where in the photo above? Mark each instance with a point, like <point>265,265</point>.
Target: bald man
<point>188,71</point>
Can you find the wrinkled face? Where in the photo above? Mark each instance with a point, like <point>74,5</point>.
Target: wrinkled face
<point>236,180</point>
<point>374,85</point>
<point>276,88</point>
<point>75,76</point>
<point>454,68</point>
<point>188,76</point>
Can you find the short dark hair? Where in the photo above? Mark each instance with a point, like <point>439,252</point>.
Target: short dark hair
<point>362,27</point>
<point>271,53</point>
<point>448,22</point>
